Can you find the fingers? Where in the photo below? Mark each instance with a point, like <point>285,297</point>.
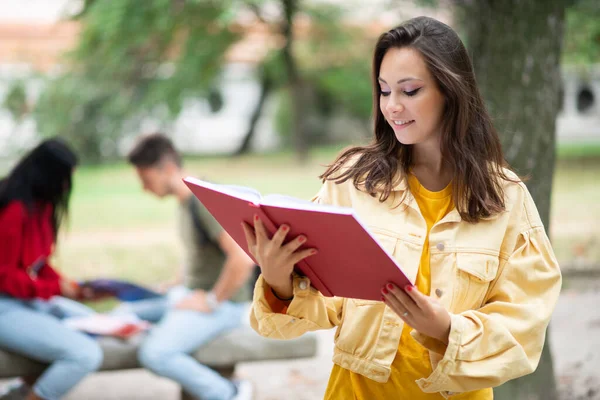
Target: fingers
<point>422,301</point>
<point>279,236</point>
<point>260,238</point>
<point>295,244</point>
<point>261,232</point>
<point>396,305</point>
<point>250,237</point>
<point>399,297</point>
<point>301,255</point>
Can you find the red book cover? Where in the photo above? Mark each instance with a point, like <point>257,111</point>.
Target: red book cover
<point>350,262</point>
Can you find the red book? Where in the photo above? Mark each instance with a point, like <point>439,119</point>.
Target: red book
<point>349,263</point>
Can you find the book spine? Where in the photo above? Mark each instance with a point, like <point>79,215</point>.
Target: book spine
<point>303,266</point>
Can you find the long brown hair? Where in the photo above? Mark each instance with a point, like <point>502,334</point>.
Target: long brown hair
<point>469,144</point>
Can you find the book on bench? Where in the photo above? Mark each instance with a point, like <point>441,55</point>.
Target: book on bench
<point>349,263</point>
<point>120,326</point>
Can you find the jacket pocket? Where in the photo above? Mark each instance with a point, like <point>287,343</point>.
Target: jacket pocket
<point>360,328</point>
<point>475,272</point>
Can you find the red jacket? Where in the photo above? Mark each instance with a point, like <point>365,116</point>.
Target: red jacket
<point>26,237</point>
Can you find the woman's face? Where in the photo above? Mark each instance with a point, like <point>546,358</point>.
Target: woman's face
<point>410,100</point>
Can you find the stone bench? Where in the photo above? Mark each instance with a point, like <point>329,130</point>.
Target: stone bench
<point>222,354</point>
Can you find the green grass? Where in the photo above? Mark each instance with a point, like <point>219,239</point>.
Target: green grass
<point>578,151</point>
<point>575,210</point>
<point>111,197</point>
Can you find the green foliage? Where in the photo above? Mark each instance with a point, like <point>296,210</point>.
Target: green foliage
<point>135,59</point>
<point>349,87</point>
<point>15,100</point>
<point>87,114</point>
<point>582,33</point>
<point>314,118</point>
<point>337,59</point>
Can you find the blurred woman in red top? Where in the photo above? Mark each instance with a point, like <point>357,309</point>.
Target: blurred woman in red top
<point>34,201</point>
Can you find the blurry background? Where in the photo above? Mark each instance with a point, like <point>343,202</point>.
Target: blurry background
<point>265,93</point>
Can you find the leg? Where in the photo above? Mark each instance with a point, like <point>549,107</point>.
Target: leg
<point>166,349</point>
<point>61,307</point>
<point>41,337</point>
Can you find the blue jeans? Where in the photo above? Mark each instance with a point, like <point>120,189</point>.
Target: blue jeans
<point>29,328</point>
<point>166,350</point>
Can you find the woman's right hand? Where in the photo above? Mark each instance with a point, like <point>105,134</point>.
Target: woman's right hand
<point>275,259</point>
<point>69,289</point>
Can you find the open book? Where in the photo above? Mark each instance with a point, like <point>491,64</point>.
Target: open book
<point>107,325</point>
<point>349,263</point>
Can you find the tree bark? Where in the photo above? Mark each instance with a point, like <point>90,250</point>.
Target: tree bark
<point>298,109</point>
<point>515,46</point>
<point>265,89</point>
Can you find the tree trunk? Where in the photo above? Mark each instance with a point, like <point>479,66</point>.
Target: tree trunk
<point>298,109</point>
<point>265,89</point>
<point>515,46</point>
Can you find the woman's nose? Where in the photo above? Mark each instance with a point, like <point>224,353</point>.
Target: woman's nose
<point>394,107</point>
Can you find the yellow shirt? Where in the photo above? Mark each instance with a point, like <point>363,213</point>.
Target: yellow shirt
<point>499,278</point>
<point>412,360</point>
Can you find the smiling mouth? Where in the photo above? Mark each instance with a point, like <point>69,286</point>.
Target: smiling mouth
<point>399,124</point>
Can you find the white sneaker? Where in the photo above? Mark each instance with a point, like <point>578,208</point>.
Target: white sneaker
<point>245,391</point>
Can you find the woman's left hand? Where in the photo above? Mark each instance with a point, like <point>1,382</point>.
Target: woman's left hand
<point>423,313</point>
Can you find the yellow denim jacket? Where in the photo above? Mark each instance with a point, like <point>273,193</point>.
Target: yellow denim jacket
<point>500,282</point>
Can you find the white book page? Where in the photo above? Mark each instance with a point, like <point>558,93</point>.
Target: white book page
<point>279,200</point>
<point>103,324</point>
<point>242,192</point>
<point>276,200</point>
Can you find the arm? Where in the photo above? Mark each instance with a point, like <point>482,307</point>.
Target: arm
<point>14,279</point>
<point>308,311</point>
<point>48,273</point>
<point>177,280</point>
<point>236,269</point>
<point>503,339</point>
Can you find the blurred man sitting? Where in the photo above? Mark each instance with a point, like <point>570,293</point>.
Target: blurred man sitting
<point>209,299</point>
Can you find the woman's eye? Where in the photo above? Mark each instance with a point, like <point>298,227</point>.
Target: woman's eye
<point>412,92</point>
<point>385,93</point>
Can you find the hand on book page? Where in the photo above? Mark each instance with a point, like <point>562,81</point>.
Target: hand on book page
<point>350,260</point>
<point>276,259</point>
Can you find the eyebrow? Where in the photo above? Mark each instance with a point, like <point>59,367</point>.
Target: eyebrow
<point>401,80</point>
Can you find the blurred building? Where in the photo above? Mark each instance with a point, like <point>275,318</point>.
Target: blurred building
<point>579,118</point>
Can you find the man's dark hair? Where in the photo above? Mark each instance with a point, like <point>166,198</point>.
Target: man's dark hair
<point>152,149</point>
